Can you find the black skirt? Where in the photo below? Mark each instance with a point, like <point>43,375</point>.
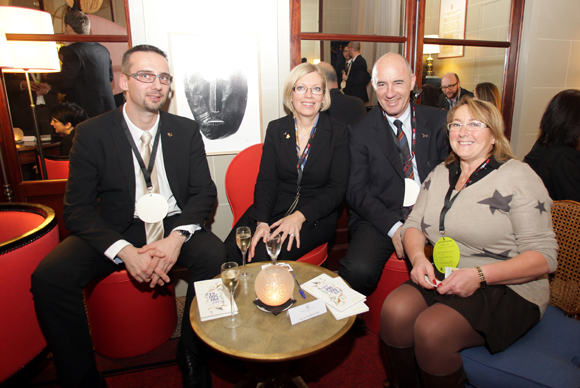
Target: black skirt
<point>499,314</point>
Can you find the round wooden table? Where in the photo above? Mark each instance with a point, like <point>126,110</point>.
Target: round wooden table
<point>268,338</point>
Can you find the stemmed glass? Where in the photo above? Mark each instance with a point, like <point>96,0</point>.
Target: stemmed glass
<point>273,246</point>
<point>243,239</point>
<point>230,279</point>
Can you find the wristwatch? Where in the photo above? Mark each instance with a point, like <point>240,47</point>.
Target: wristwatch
<point>482,282</point>
<point>184,233</point>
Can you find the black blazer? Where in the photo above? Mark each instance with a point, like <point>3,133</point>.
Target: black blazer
<point>559,168</point>
<point>376,187</point>
<point>99,201</point>
<point>346,109</point>
<point>444,103</point>
<point>325,176</point>
<point>86,76</point>
<point>358,79</point>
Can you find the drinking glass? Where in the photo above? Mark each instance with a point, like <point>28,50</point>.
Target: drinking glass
<point>273,246</point>
<point>230,279</point>
<point>243,239</point>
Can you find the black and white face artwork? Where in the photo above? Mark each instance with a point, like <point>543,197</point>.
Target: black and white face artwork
<point>217,101</point>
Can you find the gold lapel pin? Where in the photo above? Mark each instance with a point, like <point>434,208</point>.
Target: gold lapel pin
<point>170,134</point>
<point>425,135</point>
<point>287,136</point>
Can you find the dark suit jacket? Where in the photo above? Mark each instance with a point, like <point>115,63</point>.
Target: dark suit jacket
<point>444,103</point>
<point>86,76</point>
<point>376,188</point>
<point>325,176</point>
<point>559,168</point>
<point>99,201</point>
<point>358,79</point>
<point>346,109</point>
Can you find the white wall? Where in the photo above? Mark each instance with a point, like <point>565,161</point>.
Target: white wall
<point>548,64</point>
<point>152,21</point>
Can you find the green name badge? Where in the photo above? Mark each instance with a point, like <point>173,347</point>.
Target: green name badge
<point>445,254</point>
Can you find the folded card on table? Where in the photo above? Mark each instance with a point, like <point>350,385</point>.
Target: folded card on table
<point>213,301</point>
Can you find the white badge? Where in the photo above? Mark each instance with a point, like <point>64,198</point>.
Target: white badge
<point>152,208</point>
<point>412,189</point>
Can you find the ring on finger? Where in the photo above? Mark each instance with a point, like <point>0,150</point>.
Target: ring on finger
<point>291,235</point>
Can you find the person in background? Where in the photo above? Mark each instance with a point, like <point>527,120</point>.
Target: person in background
<point>87,70</point>
<point>495,211</point>
<point>430,96</point>
<point>486,91</point>
<point>357,76</point>
<point>555,156</point>
<point>452,91</point>
<point>346,109</point>
<point>65,117</point>
<point>305,152</point>
<point>395,145</point>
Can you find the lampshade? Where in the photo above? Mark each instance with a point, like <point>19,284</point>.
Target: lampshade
<point>36,57</point>
<point>274,285</point>
<point>431,48</point>
<point>5,60</point>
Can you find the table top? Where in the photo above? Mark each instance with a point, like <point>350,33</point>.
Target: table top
<point>266,337</point>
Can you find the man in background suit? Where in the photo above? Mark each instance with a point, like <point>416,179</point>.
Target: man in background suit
<point>377,175</point>
<point>452,91</point>
<point>346,109</point>
<point>87,70</point>
<point>107,235</point>
<point>357,77</point>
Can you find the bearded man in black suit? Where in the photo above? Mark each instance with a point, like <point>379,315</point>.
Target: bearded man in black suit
<point>383,163</point>
<point>87,70</point>
<point>105,182</point>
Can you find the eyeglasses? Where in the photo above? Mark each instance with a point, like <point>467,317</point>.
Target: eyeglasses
<point>449,86</point>
<point>471,126</point>
<point>303,89</point>
<point>149,78</point>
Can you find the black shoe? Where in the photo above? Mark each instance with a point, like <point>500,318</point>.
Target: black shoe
<point>193,370</point>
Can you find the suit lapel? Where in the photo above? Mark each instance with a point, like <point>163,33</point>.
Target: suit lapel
<point>321,138</point>
<point>124,151</point>
<point>385,141</point>
<point>169,147</point>
<point>421,142</point>
<point>288,139</point>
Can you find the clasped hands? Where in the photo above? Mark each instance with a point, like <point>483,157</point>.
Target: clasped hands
<point>152,262</point>
<point>462,282</point>
<point>288,227</point>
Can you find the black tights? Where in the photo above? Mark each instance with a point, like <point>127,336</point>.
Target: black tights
<point>438,333</point>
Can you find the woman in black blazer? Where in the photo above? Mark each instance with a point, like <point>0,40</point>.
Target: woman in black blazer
<point>319,145</point>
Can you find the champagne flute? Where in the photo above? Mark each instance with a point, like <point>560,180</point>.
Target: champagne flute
<point>273,247</point>
<point>230,279</point>
<point>243,239</point>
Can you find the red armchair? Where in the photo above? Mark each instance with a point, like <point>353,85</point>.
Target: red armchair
<point>28,232</point>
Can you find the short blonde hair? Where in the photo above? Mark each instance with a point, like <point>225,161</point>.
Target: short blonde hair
<point>299,72</point>
<point>488,114</point>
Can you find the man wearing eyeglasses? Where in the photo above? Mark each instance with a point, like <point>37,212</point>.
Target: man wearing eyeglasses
<point>87,71</point>
<point>452,91</point>
<point>128,168</point>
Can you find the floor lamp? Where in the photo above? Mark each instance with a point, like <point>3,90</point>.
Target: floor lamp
<point>5,62</point>
<point>29,56</point>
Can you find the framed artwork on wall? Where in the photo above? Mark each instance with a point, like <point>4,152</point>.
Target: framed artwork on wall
<point>452,14</point>
<point>217,84</point>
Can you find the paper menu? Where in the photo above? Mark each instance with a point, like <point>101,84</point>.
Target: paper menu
<point>212,300</point>
<point>334,291</point>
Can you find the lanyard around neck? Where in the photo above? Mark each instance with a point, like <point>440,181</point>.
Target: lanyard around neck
<point>474,177</point>
<point>302,159</point>
<point>146,171</point>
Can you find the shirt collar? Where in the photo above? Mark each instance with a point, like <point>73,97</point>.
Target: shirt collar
<point>137,132</point>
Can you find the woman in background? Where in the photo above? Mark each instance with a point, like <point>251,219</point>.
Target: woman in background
<point>486,91</point>
<point>304,152</point>
<point>556,157</point>
<point>65,117</point>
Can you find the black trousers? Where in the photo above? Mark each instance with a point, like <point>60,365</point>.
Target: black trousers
<point>367,254</point>
<point>59,280</point>
<point>311,236</point>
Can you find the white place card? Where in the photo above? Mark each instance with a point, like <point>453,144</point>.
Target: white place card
<point>306,311</point>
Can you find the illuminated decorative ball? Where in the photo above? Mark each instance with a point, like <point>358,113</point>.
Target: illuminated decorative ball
<point>274,285</point>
